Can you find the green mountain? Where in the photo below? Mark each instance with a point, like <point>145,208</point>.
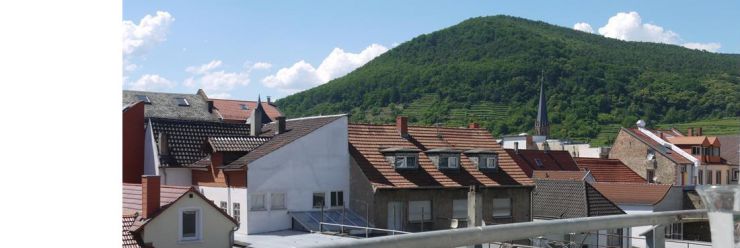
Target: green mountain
<point>487,70</point>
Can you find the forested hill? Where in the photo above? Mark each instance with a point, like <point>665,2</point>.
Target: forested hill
<point>487,70</point>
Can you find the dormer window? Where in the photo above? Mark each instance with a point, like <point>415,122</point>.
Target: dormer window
<point>448,161</point>
<point>144,99</point>
<point>484,159</point>
<point>406,161</point>
<point>244,107</point>
<point>402,157</point>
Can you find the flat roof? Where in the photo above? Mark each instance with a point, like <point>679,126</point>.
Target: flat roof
<point>288,238</point>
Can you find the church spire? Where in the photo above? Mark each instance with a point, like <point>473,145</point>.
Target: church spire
<point>541,125</point>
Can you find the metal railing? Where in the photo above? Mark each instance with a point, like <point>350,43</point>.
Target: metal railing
<point>367,229</point>
<point>522,230</point>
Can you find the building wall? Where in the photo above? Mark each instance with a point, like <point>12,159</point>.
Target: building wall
<point>672,201</point>
<point>212,176</point>
<point>633,153</point>
<point>176,176</point>
<point>725,169</point>
<point>635,231</point>
<point>163,231</point>
<point>317,162</point>
<point>230,196</point>
<point>362,193</point>
<point>441,201</point>
<point>133,143</point>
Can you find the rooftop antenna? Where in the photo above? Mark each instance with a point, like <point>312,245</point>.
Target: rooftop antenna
<point>436,125</point>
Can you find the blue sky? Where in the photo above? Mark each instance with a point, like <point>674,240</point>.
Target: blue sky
<point>239,49</point>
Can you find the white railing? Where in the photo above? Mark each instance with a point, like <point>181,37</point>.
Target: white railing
<point>367,229</point>
<point>523,230</point>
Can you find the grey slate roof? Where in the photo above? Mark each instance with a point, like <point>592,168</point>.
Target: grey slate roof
<point>164,105</point>
<point>562,199</point>
<point>294,129</point>
<point>236,144</point>
<point>187,137</point>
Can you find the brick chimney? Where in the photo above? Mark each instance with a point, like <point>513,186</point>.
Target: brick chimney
<point>690,132</point>
<point>280,121</point>
<point>698,131</point>
<point>473,125</point>
<point>403,126</point>
<point>149,195</point>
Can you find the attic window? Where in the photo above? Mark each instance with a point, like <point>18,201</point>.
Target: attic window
<point>488,161</point>
<point>406,161</point>
<point>182,102</point>
<point>243,106</point>
<point>448,161</point>
<point>538,162</point>
<point>144,99</point>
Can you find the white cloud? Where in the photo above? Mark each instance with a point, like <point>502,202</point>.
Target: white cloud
<point>206,77</point>
<point>261,66</point>
<point>151,82</point>
<point>629,27</point>
<point>711,47</point>
<point>582,26</point>
<point>150,31</point>
<point>303,75</point>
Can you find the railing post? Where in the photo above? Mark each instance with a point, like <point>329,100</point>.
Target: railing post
<point>367,220</point>
<point>341,229</point>
<point>422,219</point>
<point>659,236</point>
<point>322,218</point>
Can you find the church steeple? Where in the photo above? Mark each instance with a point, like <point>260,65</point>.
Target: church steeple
<point>541,125</point>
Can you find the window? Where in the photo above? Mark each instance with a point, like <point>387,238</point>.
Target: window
<point>420,210</point>
<point>715,151</point>
<point>236,212</point>
<point>718,177</point>
<point>695,150</point>
<point>538,162</point>
<point>674,231</point>
<point>318,200</point>
<point>460,209</point>
<point>406,161</point>
<point>337,198</point>
<point>735,174</point>
<point>182,102</point>
<point>709,177</point>
<point>448,161</point>
<point>277,201</point>
<point>257,202</point>
<point>650,154</point>
<point>144,99</point>
<point>651,176</point>
<point>706,151</point>
<point>225,206</point>
<point>501,207</point>
<point>701,177</point>
<point>243,107</point>
<point>488,161</point>
<point>190,224</point>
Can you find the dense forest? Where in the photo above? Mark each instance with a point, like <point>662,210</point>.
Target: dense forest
<point>488,70</point>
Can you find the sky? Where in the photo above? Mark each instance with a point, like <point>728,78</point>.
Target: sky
<point>242,49</point>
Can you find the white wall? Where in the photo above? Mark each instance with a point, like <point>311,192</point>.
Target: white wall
<point>637,230</point>
<point>176,176</point>
<point>317,162</point>
<point>507,142</point>
<point>163,231</point>
<point>230,196</point>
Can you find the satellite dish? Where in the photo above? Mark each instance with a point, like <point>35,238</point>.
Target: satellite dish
<point>641,123</point>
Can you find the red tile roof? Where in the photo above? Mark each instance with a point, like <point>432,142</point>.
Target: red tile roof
<point>132,195</point>
<point>672,155</point>
<point>550,160</point>
<point>366,141</point>
<point>626,193</point>
<point>231,110</point>
<point>609,170</point>
<point>689,140</point>
<point>559,175</point>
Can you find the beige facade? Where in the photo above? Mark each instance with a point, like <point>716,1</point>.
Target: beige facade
<point>634,153</point>
<point>214,228</point>
<point>382,202</point>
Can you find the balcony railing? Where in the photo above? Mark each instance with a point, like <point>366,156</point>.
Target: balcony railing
<point>525,230</point>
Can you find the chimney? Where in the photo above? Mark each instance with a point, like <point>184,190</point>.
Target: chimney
<point>545,146</point>
<point>473,125</point>
<point>475,206</point>
<point>698,131</point>
<point>690,132</point>
<point>516,147</point>
<point>280,121</point>
<point>402,126</point>
<point>164,146</point>
<point>210,106</point>
<point>268,100</point>
<point>149,195</point>
<point>255,119</point>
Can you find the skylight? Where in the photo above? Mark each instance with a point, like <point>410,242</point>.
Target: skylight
<point>244,106</point>
<point>144,99</point>
<point>182,102</point>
